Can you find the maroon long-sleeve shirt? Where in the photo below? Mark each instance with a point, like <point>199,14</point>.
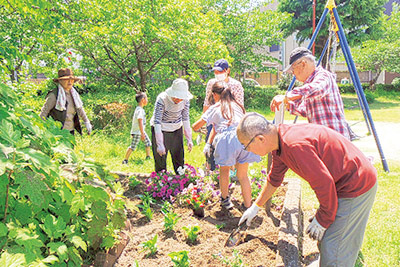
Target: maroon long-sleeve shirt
<point>331,164</point>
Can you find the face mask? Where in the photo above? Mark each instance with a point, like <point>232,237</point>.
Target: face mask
<point>220,77</point>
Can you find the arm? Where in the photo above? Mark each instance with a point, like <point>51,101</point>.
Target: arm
<point>212,135</point>
<point>142,135</point>
<point>206,103</point>
<point>158,111</point>
<point>239,94</point>
<point>82,114</point>
<point>48,105</point>
<point>198,124</point>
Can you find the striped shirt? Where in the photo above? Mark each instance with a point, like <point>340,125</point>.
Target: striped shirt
<point>169,114</point>
<point>321,102</point>
<point>236,90</point>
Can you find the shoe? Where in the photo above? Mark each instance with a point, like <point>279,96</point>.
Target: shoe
<point>125,161</point>
<point>226,203</point>
<point>147,158</point>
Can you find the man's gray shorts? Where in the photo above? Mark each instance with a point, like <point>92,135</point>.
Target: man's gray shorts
<point>343,239</point>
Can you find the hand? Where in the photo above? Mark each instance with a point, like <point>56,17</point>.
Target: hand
<point>161,149</point>
<point>207,150</point>
<point>142,137</point>
<point>88,127</point>
<point>249,214</point>
<point>190,145</point>
<point>276,102</point>
<point>315,230</point>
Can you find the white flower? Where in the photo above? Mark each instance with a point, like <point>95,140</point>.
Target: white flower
<point>181,170</point>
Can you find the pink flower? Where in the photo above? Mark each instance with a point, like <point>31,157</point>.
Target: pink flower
<point>154,194</point>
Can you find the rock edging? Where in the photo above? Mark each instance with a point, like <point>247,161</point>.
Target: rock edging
<point>288,253</point>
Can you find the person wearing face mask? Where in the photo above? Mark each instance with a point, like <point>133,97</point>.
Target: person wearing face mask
<point>64,104</point>
<point>222,73</point>
<point>171,112</point>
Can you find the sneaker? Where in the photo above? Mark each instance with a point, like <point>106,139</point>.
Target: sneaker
<point>226,203</point>
<point>147,158</point>
<point>125,161</point>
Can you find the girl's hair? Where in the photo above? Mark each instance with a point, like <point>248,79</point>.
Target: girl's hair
<point>226,99</point>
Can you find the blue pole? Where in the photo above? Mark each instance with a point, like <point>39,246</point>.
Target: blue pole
<point>352,75</point>
<point>323,52</point>
<point>357,83</point>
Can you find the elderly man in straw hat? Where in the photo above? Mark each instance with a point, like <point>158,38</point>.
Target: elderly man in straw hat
<point>64,104</point>
<point>171,112</point>
<point>343,179</point>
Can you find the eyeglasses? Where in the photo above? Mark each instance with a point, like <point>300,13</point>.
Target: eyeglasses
<point>251,140</point>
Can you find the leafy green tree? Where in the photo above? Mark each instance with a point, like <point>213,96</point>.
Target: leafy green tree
<point>132,42</point>
<point>382,54</point>
<point>360,19</point>
<point>248,32</point>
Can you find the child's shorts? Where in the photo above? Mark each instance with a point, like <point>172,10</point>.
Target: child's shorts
<point>229,151</point>
<point>136,139</point>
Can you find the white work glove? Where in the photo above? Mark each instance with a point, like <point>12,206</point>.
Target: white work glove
<point>159,140</point>
<point>88,127</point>
<point>249,214</point>
<point>207,150</point>
<point>188,134</point>
<point>276,102</point>
<point>189,145</point>
<point>315,230</point>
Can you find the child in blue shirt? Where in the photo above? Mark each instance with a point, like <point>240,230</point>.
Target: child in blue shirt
<point>138,126</point>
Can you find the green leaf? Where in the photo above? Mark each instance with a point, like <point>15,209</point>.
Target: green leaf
<point>23,212</point>
<point>53,227</point>
<point>38,158</point>
<point>95,193</point>
<point>12,260</point>
<point>78,203</point>
<point>50,259</point>
<point>78,242</point>
<point>24,237</point>
<point>3,229</point>
<point>31,185</point>
<point>108,242</point>
<point>118,220</point>
<point>74,256</point>
<point>60,248</point>
<point>8,133</point>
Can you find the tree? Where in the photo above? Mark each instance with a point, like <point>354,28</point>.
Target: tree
<point>132,41</point>
<point>248,32</point>
<point>382,54</point>
<point>360,19</point>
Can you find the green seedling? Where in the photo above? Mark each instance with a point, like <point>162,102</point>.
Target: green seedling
<point>180,259</point>
<point>133,182</point>
<point>166,207</point>
<point>146,210</point>
<point>220,226</point>
<point>235,262</point>
<point>192,232</point>
<point>150,245</point>
<point>170,220</point>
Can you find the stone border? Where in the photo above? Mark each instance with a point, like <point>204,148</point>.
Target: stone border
<point>288,253</point>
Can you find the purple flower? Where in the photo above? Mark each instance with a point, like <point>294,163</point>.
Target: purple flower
<point>154,194</point>
<point>160,194</point>
<point>263,171</point>
<point>169,192</point>
<point>149,188</point>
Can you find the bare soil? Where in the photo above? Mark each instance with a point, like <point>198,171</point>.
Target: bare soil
<point>258,248</point>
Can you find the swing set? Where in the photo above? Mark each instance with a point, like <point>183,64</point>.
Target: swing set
<point>336,32</point>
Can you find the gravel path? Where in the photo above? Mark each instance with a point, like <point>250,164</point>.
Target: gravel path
<point>388,133</point>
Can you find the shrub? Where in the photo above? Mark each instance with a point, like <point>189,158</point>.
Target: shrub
<point>48,218</point>
<point>396,83</point>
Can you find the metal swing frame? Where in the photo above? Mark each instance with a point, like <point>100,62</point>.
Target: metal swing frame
<point>338,28</point>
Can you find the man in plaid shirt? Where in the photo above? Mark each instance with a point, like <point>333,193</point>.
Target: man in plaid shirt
<point>319,98</point>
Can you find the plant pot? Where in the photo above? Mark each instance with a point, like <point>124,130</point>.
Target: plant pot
<point>199,212</point>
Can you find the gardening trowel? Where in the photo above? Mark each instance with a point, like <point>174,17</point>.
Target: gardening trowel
<point>236,236</point>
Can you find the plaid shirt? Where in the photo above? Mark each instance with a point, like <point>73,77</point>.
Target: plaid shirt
<point>236,90</point>
<point>321,102</point>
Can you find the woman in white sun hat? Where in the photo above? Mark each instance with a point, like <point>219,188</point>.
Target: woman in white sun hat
<point>171,112</point>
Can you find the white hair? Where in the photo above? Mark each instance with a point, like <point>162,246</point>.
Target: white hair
<point>253,124</point>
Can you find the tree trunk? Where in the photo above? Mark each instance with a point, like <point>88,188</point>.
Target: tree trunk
<point>374,79</point>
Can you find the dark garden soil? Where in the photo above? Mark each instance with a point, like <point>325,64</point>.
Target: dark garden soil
<point>258,248</point>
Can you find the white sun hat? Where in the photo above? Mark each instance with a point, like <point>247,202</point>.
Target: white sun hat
<point>179,89</point>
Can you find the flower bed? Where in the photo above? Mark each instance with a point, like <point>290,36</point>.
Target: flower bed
<point>202,238</point>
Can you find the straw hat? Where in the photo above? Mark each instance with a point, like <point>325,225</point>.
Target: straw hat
<point>179,89</point>
<point>65,74</point>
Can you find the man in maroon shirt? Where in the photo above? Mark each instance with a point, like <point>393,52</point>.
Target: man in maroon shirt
<point>342,178</point>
